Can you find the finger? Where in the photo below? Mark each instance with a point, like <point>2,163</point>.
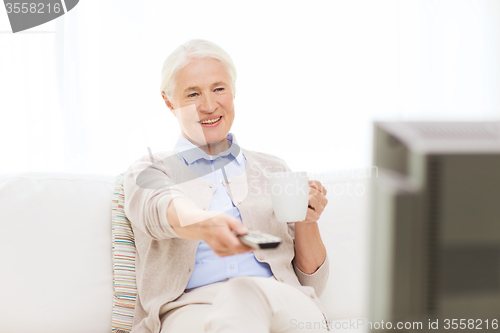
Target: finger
<point>312,215</point>
<point>315,207</point>
<point>223,253</point>
<point>233,252</point>
<point>239,247</point>
<point>242,248</point>
<point>314,191</point>
<point>321,188</point>
<point>235,246</point>
<point>321,197</point>
<point>317,185</point>
<point>231,241</point>
<point>226,245</point>
<point>313,188</point>
<point>314,203</point>
<point>237,226</point>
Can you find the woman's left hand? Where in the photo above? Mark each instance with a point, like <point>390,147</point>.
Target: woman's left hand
<point>317,201</point>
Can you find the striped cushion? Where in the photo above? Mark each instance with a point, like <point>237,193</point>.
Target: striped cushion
<point>124,287</point>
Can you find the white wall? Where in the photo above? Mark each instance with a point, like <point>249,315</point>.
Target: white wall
<point>311,76</point>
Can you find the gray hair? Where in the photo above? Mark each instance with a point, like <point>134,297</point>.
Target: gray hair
<point>193,49</point>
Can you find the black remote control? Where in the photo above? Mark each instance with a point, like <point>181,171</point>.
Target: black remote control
<point>259,240</point>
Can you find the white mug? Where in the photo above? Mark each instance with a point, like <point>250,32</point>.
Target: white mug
<point>289,195</point>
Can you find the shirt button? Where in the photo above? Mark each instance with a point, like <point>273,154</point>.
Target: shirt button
<point>217,159</point>
<point>221,181</point>
<point>231,266</point>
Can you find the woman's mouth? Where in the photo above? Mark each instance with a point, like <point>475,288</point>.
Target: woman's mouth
<point>211,122</point>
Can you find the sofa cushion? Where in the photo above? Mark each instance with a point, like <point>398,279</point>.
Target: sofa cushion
<point>56,253</point>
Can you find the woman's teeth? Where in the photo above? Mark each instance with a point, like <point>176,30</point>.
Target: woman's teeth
<point>212,121</point>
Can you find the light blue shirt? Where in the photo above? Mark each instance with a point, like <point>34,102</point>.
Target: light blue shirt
<point>209,267</point>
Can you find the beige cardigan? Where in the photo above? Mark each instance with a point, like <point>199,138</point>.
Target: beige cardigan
<point>165,261</point>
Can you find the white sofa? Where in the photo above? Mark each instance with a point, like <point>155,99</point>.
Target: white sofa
<point>56,267</point>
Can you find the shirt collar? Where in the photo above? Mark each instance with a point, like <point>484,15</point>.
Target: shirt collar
<point>191,153</point>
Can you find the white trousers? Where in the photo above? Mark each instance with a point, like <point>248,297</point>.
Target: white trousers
<point>240,305</point>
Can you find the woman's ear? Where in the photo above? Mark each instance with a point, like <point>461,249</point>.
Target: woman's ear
<point>167,102</point>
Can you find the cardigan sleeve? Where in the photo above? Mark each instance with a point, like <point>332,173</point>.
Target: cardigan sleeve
<point>148,190</point>
<point>318,279</point>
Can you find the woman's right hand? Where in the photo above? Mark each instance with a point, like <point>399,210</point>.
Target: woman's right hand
<point>215,228</point>
<point>216,231</point>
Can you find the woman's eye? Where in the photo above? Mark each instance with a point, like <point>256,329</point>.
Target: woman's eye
<point>192,95</point>
<point>219,88</point>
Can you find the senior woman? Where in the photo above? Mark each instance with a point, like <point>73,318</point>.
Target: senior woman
<point>192,272</point>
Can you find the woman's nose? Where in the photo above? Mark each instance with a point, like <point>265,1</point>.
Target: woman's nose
<point>209,104</point>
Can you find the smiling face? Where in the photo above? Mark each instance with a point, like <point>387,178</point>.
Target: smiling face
<point>203,104</point>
